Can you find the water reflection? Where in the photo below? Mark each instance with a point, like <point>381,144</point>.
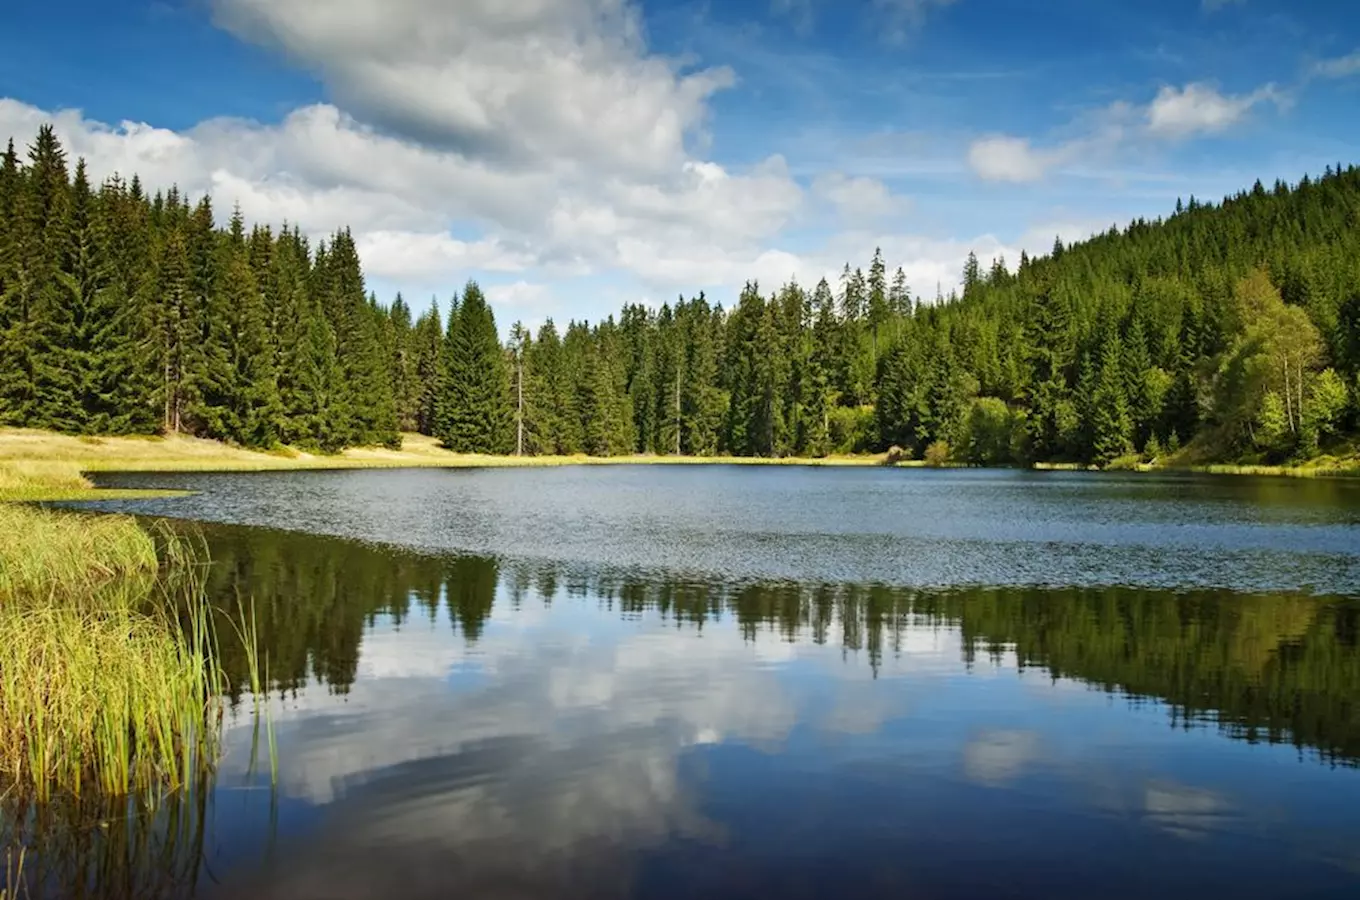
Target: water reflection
<point>499,727</point>
<point>1263,667</point>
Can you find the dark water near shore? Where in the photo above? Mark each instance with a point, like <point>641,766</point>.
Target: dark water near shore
<point>734,682</point>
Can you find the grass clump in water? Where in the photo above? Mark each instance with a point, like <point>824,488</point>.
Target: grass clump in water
<point>47,554</point>
<point>102,686</point>
<point>114,700</point>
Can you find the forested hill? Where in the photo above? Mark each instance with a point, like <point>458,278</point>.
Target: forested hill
<point>1233,326</point>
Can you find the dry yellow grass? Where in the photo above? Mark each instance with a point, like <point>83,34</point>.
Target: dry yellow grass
<point>183,454</point>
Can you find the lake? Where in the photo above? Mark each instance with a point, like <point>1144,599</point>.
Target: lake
<point>712,681</point>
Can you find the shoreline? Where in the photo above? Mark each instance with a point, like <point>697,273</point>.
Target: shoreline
<point>42,466</point>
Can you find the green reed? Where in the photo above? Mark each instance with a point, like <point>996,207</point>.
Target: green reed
<point>110,675</point>
<point>48,554</point>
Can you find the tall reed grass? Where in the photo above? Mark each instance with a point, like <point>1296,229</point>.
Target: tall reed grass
<point>113,700</point>
<point>45,555</point>
<point>109,674</point>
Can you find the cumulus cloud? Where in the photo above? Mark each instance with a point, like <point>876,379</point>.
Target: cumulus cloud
<point>1201,109</point>
<point>530,141</point>
<point>1005,158</point>
<point>560,82</point>
<point>1175,113</point>
<point>858,199</point>
<point>545,129</point>
<point>320,168</point>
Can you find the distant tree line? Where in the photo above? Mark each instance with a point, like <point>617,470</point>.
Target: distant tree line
<point>1236,326</point>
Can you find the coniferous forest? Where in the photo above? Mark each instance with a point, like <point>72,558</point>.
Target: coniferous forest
<point>1232,328</point>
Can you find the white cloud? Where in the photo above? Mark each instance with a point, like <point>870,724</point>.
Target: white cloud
<point>481,136</point>
<point>320,169</point>
<point>564,82</point>
<point>428,256</point>
<point>857,199</point>
<point>1005,158</point>
<point>1340,67</point>
<point>529,303</point>
<point>1200,109</point>
<point>1176,113</point>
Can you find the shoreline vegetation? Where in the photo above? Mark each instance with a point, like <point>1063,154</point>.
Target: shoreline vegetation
<point>43,466</point>
<point>109,681</point>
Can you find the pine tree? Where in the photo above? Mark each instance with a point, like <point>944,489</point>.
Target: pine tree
<point>519,351</point>
<point>402,360</point>
<point>429,366</point>
<point>13,373</point>
<point>38,388</point>
<point>702,400</point>
<point>127,376</point>
<point>365,410</point>
<point>879,307</point>
<point>473,412</point>
<point>545,392</point>
<point>1111,425</point>
<point>252,408</point>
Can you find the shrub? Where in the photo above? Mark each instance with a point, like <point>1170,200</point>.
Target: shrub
<point>938,454</point>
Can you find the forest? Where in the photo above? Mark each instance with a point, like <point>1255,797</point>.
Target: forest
<point>1227,331</point>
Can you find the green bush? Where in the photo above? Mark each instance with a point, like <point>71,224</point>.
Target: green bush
<point>938,454</point>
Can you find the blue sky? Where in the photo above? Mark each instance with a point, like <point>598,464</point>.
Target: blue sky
<point>576,154</point>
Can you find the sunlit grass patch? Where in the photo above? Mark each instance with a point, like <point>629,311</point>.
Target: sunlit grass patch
<point>41,480</point>
<point>113,699</point>
<point>47,554</point>
<point>109,674</point>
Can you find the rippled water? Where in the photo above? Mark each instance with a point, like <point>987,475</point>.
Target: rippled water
<point>714,682</point>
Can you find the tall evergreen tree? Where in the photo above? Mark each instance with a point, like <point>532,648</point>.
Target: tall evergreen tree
<point>473,410</point>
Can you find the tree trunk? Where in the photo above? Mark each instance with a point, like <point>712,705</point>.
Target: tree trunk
<point>1288,397</point>
<point>1300,385</point>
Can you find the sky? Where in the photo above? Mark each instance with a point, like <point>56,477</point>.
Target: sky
<point>575,155</point>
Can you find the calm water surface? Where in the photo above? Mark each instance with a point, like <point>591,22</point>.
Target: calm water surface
<point>734,682</point>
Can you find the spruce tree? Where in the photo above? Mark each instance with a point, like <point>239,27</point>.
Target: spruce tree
<point>473,411</point>
<point>429,364</point>
<point>252,408</point>
<point>402,364</point>
<point>1111,426</point>
<point>546,406</point>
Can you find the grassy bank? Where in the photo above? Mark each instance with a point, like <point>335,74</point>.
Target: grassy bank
<point>42,479</point>
<point>44,465</point>
<point>101,687</point>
